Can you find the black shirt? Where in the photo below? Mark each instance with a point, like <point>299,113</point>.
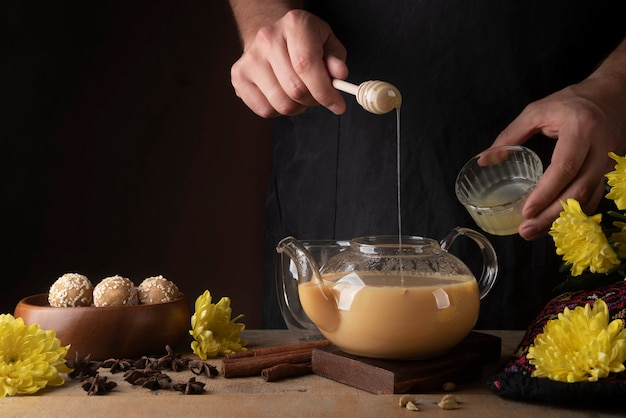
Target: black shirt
<point>465,70</point>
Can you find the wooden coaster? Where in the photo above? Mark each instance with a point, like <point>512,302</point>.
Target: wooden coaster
<point>461,365</point>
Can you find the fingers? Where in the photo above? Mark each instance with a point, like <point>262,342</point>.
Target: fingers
<point>568,159</point>
<point>256,74</point>
<point>539,225</point>
<point>260,91</point>
<point>586,170</point>
<point>289,67</point>
<point>584,135</point>
<point>524,126</point>
<point>307,51</point>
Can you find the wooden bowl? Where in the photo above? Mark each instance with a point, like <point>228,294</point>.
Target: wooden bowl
<point>110,332</point>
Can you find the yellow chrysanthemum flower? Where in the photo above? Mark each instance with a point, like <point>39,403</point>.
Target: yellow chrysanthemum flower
<point>617,181</point>
<point>213,331</point>
<point>581,345</point>
<point>581,241</point>
<point>30,358</point>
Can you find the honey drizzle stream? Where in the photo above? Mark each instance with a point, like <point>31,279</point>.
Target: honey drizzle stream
<point>398,191</point>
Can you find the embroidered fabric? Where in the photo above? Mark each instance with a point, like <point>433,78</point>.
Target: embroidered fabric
<point>515,381</point>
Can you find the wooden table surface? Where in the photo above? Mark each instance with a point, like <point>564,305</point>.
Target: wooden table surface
<point>306,396</point>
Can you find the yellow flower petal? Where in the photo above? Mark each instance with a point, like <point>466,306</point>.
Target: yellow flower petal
<point>213,330</point>
<point>581,241</point>
<point>580,345</point>
<point>617,181</point>
<point>30,358</point>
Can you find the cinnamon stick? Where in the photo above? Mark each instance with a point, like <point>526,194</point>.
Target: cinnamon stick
<point>278,349</point>
<point>285,370</point>
<point>252,366</point>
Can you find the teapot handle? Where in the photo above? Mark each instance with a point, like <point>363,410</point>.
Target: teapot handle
<point>490,260</point>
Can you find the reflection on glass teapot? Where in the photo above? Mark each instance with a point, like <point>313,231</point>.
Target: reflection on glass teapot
<point>393,297</point>
<point>295,318</point>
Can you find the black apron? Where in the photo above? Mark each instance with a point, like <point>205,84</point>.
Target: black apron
<point>465,70</point>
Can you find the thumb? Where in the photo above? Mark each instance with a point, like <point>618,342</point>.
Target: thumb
<point>517,132</point>
<point>335,58</point>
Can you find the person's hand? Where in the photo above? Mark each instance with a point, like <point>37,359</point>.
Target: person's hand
<point>586,124</point>
<point>289,66</point>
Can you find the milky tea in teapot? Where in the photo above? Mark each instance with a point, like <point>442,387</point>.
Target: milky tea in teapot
<point>406,316</point>
<point>382,299</point>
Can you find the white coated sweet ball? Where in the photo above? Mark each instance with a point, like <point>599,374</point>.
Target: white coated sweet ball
<point>157,289</point>
<point>115,291</point>
<point>70,290</point>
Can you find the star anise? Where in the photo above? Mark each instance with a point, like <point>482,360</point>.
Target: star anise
<point>147,363</point>
<point>172,361</point>
<point>150,379</point>
<point>156,381</point>
<point>191,387</point>
<point>118,365</point>
<point>199,367</point>
<point>98,385</point>
<point>132,376</point>
<point>82,368</point>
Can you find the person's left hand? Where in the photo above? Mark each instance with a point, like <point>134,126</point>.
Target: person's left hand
<point>586,122</point>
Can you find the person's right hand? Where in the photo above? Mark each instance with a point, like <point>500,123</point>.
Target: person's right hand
<point>289,66</point>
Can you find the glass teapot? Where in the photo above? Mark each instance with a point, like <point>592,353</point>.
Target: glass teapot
<point>393,297</point>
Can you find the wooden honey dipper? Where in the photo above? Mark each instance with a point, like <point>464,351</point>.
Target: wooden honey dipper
<point>375,96</point>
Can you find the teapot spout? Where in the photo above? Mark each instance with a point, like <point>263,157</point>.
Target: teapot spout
<point>317,301</point>
<point>308,270</point>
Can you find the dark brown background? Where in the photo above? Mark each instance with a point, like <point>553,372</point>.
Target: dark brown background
<point>125,150</point>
